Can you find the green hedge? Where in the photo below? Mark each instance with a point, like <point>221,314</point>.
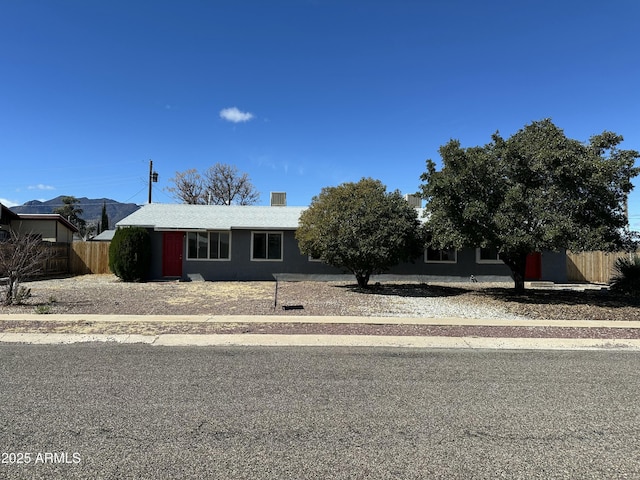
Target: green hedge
<point>130,254</point>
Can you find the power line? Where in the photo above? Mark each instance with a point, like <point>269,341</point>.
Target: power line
<point>135,194</point>
<point>45,204</point>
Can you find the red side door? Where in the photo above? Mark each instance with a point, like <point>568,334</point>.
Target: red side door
<point>172,248</point>
<point>533,269</point>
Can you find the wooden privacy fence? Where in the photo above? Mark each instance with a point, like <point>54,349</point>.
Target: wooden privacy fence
<point>593,267</point>
<point>57,261</point>
<point>89,257</point>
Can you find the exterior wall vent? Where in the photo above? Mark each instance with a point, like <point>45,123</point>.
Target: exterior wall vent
<point>278,199</point>
<point>413,200</point>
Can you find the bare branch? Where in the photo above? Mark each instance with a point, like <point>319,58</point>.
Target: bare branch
<point>22,256</point>
<point>227,186</point>
<point>188,187</point>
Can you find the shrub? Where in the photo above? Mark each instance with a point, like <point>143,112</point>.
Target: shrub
<point>43,309</point>
<point>21,257</point>
<point>130,254</point>
<point>626,279</point>
<point>21,294</point>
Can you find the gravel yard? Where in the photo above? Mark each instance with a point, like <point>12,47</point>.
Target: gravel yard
<point>106,294</point>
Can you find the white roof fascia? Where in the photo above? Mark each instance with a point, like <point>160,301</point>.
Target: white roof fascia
<point>127,225</point>
<point>176,229</point>
<point>246,227</point>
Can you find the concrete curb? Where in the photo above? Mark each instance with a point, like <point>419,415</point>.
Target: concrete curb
<point>321,340</point>
<point>67,338</point>
<point>330,341</point>
<point>320,320</point>
<point>397,341</point>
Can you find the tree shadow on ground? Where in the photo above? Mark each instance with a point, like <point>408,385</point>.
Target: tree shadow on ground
<point>593,298</point>
<point>562,297</point>
<point>407,290</point>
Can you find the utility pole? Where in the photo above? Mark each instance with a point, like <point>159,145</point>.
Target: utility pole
<point>153,177</point>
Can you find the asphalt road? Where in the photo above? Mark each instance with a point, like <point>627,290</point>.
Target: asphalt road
<point>136,411</point>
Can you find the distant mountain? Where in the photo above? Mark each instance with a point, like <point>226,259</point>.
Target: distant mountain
<point>92,208</point>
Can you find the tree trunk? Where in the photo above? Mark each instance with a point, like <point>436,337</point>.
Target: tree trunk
<point>517,263</point>
<point>518,278</point>
<point>8,295</point>
<point>12,287</point>
<point>363,280</point>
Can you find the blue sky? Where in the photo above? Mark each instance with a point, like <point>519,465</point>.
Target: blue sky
<point>316,92</point>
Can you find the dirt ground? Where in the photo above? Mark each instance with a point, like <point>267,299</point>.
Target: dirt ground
<point>106,294</point>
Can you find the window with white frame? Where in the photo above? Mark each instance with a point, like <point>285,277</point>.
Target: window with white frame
<point>208,245</point>
<point>487,255</point>
<point>266,246</point>
<point>431,255</point>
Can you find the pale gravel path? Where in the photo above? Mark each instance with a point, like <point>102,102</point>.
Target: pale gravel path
<point>445,307</point>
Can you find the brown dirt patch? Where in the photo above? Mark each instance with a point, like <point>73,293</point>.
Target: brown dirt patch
<point>106,294</point>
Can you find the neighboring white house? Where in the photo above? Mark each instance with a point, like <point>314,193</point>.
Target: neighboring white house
<point>51,227</point>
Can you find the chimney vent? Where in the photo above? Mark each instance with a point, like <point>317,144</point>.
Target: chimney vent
<point>278,199</point>
<point>414,200</point>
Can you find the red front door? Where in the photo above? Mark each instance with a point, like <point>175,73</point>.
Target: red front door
<point>172,248</point>
<point>533,270</point>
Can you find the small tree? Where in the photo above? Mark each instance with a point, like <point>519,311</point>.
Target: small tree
<point>221,185</point>
<point>104,220</point>
<point>537,190</point>
<point>361,228</point>
<point>71,210</point>
<point>226,186</point>
<point>88,230</point>
<point>130,254</point>
<point>188,187</point>
<point>21,257</point>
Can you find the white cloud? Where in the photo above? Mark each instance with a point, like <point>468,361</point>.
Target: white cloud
<point>8,203</point>
<point>40,186</point>
<point>234,115</point>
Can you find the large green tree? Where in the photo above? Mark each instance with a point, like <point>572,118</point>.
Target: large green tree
<point>360,227</point>
<point>537,190</point>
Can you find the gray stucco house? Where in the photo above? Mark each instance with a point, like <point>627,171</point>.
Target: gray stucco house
<point>219,242</point>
